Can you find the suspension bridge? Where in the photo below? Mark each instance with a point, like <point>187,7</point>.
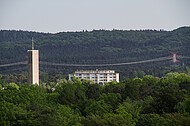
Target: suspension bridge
<point>173,59</point>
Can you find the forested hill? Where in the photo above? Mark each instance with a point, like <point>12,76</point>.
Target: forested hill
<point>95,47</point>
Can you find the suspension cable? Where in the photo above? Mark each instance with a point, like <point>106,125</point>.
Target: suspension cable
<point>13,64</point>
<point>114,64</point>
<point>88,65</point>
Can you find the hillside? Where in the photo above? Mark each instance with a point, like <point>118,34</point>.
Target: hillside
<point>97,47</point>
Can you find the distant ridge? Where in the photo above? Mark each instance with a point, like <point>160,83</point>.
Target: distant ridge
<point>97,46</point>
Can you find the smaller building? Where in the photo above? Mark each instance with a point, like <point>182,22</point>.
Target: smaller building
<point>97,76</point>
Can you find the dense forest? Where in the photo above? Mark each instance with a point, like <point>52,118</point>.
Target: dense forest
<point>98,47</point>
<point>147,101</point>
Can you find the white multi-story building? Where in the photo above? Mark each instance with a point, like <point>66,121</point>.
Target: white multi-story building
<point>97,76</point>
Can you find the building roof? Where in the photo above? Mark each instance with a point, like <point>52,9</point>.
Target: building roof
<point>94,71</point>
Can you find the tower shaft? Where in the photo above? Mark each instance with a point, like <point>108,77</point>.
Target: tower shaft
<point>33,66</point>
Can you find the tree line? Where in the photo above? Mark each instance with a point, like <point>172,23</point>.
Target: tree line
<point>133,102</point>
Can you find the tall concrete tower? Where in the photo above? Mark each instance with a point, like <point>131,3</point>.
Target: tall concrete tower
<point>33,66</point>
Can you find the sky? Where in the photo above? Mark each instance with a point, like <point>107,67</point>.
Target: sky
<point>52,16</point>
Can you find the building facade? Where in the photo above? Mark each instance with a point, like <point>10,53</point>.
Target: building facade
<point>97,76</point>
<point>33,66</point>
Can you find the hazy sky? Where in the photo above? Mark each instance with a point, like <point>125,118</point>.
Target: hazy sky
<point>76,15</point>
